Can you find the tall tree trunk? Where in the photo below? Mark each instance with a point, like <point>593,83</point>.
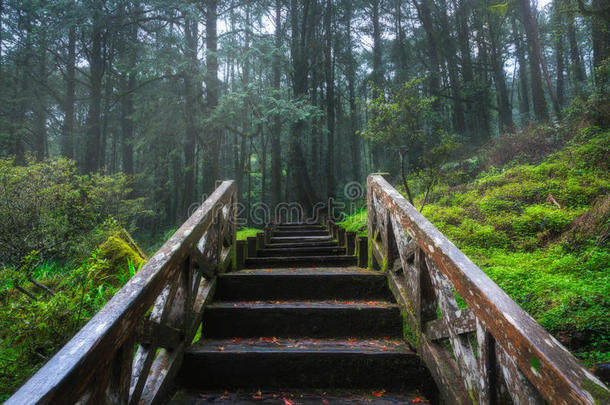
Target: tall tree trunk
<point>354,138</point>
<point>276,149</point>
<point>127,103</point>
<point>212,84</point>
<point>330,102</point>
<point>377,75</point>
<point>299,48</point>
<point>468,87</point>
<point>559,65</point>
<point>434,79</point>
<point>578,71</point>
<point>93,158</point>
<point>459,123</point>
<point>524,100</point>
<point>505,113</point>
<point>40,108</point>
<point>67,140</point>
<point>529,23</point>
<point>190,110</point>
<point>600,33</point>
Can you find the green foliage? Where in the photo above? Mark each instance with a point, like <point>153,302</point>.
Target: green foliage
<point>32,330</point>
<point>356,223</point>
<point>47,207</point>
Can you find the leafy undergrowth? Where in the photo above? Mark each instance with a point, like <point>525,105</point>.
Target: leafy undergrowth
<point>356,223</point>
<point>33,328</point>
<point>246,233</point>
<point>541,231</point>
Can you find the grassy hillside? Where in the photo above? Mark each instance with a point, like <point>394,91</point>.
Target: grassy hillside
<point>541,232</point>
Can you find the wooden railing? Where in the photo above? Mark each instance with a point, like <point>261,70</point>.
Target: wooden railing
<point>155,315</point>
<point>492,351</point>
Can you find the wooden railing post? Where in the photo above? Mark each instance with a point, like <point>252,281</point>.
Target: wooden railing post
<point>362,251</point>
<point>341,236</point>
<point>252,245</point>
<point>240,254</point>
<point>350,242</point>
<point>260,240</point>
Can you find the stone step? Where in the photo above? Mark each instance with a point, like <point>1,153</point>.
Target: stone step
<point>302,251</point>
<point>300,239</point>
<point>263,396</point>
<point>350,283</point>
<point>289,245</point>
<point>300,227</point>
<point>274,362</point>
<point>300,261</point>
<point>283,233</point>
<point>319,319</point>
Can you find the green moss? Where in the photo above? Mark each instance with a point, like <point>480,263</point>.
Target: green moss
<point>600,395</point>
<point>117,251</point>
<point>246,233</point>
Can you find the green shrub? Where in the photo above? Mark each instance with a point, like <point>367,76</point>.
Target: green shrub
<point>541,218</point>
<point>47,207</point>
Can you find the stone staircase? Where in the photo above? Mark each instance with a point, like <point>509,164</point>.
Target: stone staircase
<point>304,324</point>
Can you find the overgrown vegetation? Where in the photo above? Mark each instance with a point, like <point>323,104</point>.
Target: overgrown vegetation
<point>65,252</point>
<point>540,227</point>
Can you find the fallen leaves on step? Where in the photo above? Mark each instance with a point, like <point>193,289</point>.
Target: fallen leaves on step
<point>379,393</point>
<point>220,348</point>
<point>287,401</point>
<point>421,400</point>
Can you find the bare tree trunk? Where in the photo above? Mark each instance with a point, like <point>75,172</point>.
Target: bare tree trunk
<point>529,23</point>
<point>67,144</point>
<point>40,109</point>
<point>212,140</point>
<point>425,16</point>
<point>190,111</point>
<point>459,123</point>
<point>93,158</point>
<point>276,150</point>
<point>330,102</point>
<point>351,86</point>
<point>524,101</point>
<point>559,65</point>
<point>504,108</point>
<point>578,71</point>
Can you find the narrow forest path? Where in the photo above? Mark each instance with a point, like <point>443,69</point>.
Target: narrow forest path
<point>301,318</point>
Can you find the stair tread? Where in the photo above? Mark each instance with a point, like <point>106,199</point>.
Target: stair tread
<point>294,304</point>
<point>303,237</point>
<point>289,245</point>
<point>302,397</point>
<point>302,345</point>
<point>305,271</point>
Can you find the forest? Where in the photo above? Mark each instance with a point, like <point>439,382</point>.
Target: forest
<point>117,117</point>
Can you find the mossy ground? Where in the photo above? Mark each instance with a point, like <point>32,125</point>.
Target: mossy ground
<point>541,232</point>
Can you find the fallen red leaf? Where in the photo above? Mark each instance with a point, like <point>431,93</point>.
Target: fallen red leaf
<point>257,397</point>
<point>220,348</point>
<point>287,401</point>
<point>378,393</point>
<point>325,401</point>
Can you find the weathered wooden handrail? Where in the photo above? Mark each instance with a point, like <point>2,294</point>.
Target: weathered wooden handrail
<point>489,353</point>
<point>156,315</point>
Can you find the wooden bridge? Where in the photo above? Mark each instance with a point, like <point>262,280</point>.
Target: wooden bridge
<point>301,311</point>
